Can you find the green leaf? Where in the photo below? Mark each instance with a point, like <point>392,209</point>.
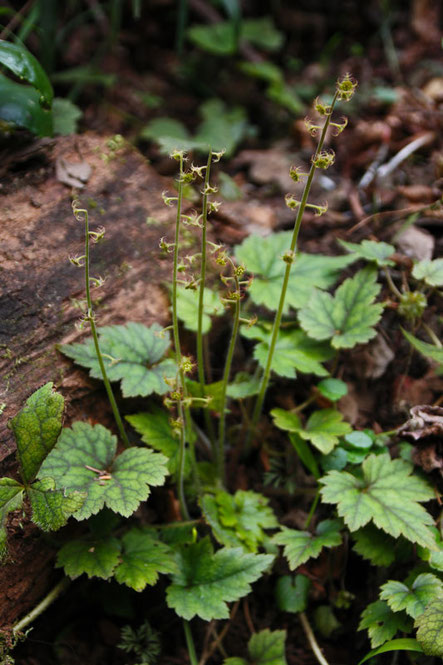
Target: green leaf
<point>143,558</point>
<point>430,271</point>
<point>222,128</point>
<point>20,105</point>
<point>428,350</point>
<point>169,133</point>
<point>299,546</point>
<point>239,520</point>
<point>294,350</point>
<point>66,115</point>
<point>97,557</point>
<point>359,440</point>
<point>218,38</point>
<point>305,454</point>
<point>382,623</point>
<point>36,428</point>
<point>348,317</point>
<point>430,628</point>
<point>26,67</point>
<point>11,498</point>
<point>373,544</point>
<point>387,494</point>
<point>267,647</point>
<point>325,620</point>
<point>265,70</point>
<point>402,644</point>
<point>292,593</point>
<point>262,33</point>
<point>323,428</point>
<point>131,353</point>
<point>51,507</point>
<point>414,599</point>
<point>433,557</point>
<point>156,431</point>
<point>332,389</point>
<point>262,257</point>
<point>244,386</point>
<point>84,460</point>
<point>370,250</point>
<point>187,308</point>
<point>206,582</point>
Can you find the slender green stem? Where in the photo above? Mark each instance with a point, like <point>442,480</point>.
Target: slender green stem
<point>183,414</point>
<point>311,639</point>
<point>201,295</point>
<point>432,335</point>
<point>312,509</point>
<point>279,313</point>
<point>190,643</point>
<point>90,317</point>
<point>391,284</point>
<point>43,605</point>
<point>226,374</point>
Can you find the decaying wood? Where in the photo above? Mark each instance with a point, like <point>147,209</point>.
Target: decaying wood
<point>38,289</point>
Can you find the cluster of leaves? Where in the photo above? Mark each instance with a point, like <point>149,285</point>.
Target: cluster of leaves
<point>366,496</point>
<point>32,106</point>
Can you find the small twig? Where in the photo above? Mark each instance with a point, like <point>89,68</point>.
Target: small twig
<point>248,616</point>
<point>371,172</point>
<point>377,216</point>
<point>15,19</point>
<point>217,644</point>
<point>404,153</point>
<point>43,605</point>
<point>311,639</point>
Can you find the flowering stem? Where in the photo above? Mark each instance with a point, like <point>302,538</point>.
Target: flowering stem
<point>183,414</point>
<point>226,373</point>
<point>200,351</point>
<point>90,317</point>
<point>278,315</point>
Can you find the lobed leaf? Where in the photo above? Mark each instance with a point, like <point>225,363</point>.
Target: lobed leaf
<point>299,546</point>
<point>132,354</point>
<point>143,558</point>
<point>206,582</point>
<point>294,351</point>
<point>348,317</point>
<point>95,557</point>
<point>156,431</point>
<point>323,429</point>
<point>387,494</point>
<point>425,588</point>
<point>429,271</point>
<point>187,308</point>
<point>382,623</point>
<point>239,520</point>
<point>51,507</point>
<point>84,460</point>
<point>430,628</point>
<point>375,545</point>
<point>263,258</point>
<point>36,428</point>
<point>370,250</point>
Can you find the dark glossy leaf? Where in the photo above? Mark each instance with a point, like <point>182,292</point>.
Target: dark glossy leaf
<point>26,67</point>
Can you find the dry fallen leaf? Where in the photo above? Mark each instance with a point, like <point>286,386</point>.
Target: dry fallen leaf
<point>74,174</point>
